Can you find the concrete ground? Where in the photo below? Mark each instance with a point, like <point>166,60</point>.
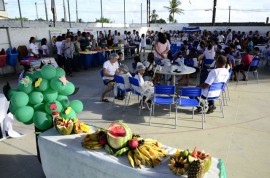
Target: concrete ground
<point>241,139</point>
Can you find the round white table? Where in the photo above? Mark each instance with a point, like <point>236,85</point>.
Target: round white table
<point>184,71</point>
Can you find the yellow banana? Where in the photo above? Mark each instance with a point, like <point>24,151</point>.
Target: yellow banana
<point>156,162</point>
<point>137,161</point>
<point>144,151</point>
<point>131,160</point>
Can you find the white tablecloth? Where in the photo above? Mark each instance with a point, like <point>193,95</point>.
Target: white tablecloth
<point>63,156</point>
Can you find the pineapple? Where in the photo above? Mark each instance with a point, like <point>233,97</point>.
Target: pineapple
<point>196,169</point>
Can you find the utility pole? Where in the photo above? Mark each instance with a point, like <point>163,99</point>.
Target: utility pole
<point>148,13</point>
<point>141,14</point>
<point>46,10</point>
<point>101,14</point>
<point>124,13</point>
<point>19,4</point>
<point>214,13</point>
<point>64,6</point>
<point>229,14</point>
<point>77,19</point>
<point>69,14</point>
<point>36,10</point>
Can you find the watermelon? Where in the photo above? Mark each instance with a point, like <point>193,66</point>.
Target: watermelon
<point>63,126</point>
<point>118,135</point>
<point>205,157</point>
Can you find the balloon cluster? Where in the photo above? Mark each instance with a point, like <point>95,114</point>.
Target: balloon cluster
<point>42,94</point>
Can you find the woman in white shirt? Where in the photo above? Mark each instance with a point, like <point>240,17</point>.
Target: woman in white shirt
<point>143,44</point>
<point>44,48</point>
<point>33,48</point>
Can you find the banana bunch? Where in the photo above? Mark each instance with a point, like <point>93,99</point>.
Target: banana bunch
<point>92,141</point>
<point>148,153</point>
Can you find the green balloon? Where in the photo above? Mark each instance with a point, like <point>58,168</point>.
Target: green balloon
<point>59,107</point>
<point>50,95</point>
<point>76,105</point>
<point>19,99</point>
<point>61,97</point>
<point>35,97</point>
<point>57,85</point>
<point>12,108</point>
<point>29,122</point>
<point>11,92</point>
<point>30,74</point>
<point>39,107</point>
<point>65,103</point>
<point>70,88</point>
<point>48,72</point>
<point>72,114</point>
<point>60,72</point>
<point>24,114</point>
<point>36,75</point>
<point>26,88</point>
<point>44,85</point>
<point>42,120</point>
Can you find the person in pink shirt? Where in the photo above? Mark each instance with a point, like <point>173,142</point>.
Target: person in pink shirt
<point>246,60</point>
<point>161,48</point>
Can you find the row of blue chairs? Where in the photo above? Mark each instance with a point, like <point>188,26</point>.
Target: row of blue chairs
<point>166,95</point>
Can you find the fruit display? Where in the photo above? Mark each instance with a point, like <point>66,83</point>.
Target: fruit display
<point>195,164</point>
<point>69,126</point>
<point>95,141</point>
<point>40,94</point>
<point>118,135</point>
<point>147,152</point>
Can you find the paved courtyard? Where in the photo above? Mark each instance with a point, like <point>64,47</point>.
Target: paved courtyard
<point>241,139</point>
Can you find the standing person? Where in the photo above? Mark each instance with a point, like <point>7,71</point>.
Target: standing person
<point>115,38</point>
<point>109,41</point>
<point>110,68</point>
<point>76,54</point>
<point>58,44</point>
<point>143,44</point>
<point>137,41</point>
<point>68,50</point>
<point>229,36</point>
<point>161,48</point>
<point>33,48</point>
<point>102,42</point>
<point>44,48</point>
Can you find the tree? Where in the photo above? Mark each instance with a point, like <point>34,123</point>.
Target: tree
<point>103,20</point>
<point>154,16</point>
<point>174,9</point>
<point>23,18</point>
<point>158,21</point>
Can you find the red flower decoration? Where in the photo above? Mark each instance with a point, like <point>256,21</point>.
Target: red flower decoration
<point>53,106</point>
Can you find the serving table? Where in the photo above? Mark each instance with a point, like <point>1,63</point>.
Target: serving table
<point>63,156</point>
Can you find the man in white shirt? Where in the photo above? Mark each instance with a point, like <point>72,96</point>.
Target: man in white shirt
<point>229,36</point>
<point>110,68</point>
<point>217,75</point>
<point>209,53</point>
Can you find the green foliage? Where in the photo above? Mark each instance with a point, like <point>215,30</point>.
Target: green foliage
<point>158,21</point>
<point>104,20</point>
<point>23,18</point>
<point>174,9</point>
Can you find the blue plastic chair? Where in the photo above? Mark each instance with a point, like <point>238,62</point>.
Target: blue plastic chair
<point>253,68</point>
<point>12,57</point>
<point>163,94</point>
<point>136,85</point>
<point>216,87</point>
<point>120,80</point>
<point>188,99</point>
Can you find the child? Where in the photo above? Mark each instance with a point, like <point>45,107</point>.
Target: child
<point>143,44</point>
<point>146,87</point>
<point>124,72</point>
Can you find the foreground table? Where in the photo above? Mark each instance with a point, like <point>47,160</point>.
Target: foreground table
<point>63,156</point>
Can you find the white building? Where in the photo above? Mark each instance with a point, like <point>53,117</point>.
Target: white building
<point>3,13</point>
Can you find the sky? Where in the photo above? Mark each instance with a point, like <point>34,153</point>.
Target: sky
<point>194,10</point>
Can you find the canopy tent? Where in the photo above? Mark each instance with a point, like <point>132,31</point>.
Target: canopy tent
<point>191,29</point>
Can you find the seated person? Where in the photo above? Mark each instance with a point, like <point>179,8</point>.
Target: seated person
<point>110,68</point>
<point>246,60</point>
<point>123,72</point>
<point>219,74</point>
<point>146,87</point>
<point>121,57</point>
